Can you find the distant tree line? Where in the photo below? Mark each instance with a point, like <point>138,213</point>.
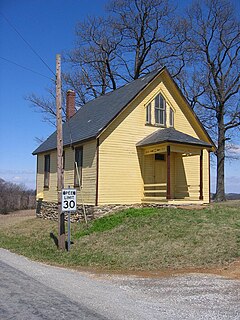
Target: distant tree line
<point>15,197</point>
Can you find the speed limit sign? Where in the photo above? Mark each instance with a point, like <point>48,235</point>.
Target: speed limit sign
<point>69,200</point>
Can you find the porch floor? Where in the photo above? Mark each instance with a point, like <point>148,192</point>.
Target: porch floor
<point>171,201</point>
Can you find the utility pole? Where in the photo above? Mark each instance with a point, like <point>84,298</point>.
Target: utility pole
<point>61,223</point>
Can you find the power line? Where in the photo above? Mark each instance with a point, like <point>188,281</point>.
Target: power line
<point>29,45</point>
<point>26,68</point>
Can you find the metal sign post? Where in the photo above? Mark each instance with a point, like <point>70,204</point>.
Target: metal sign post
<point>69,230</point>
<point>69,204</point>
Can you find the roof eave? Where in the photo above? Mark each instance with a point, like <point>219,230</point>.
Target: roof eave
<point>177,142</point>
<point>34,153</point>
<point>193,113</point>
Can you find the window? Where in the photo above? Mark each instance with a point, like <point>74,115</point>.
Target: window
<point>171,117</point>
<point>148,113</point>
<point>159,105</point>
<point>78,167</point>
<point>159,156</point>
<point>160,110</point>
<point>46,170</point>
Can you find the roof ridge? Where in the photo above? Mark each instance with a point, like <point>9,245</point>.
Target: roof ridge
<point>122,86</point>
<point>98,113</point>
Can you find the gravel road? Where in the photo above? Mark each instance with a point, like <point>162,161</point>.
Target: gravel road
<point>31,290</point>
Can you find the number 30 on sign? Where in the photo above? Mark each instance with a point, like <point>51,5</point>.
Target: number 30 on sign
<point>69,201</point>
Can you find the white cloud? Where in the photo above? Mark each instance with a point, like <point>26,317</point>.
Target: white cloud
<point>234,149</point>
<point>22,177</point>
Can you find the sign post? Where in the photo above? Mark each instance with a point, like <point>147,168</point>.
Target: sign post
<point>69,204</point>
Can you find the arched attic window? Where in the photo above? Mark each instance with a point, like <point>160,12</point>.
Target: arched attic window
<point>159,106</point>
<point>160,110</point>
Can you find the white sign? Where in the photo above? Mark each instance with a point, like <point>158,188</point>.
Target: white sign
<point>69,200</point>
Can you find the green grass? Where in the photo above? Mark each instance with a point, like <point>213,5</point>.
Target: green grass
<point>136,239</point>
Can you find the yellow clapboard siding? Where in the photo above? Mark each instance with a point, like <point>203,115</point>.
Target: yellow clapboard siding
<point>40,176</point>
<point>88,174</point>
<point>123,168</point>
<point>206,170</point>
<point>120,175</point>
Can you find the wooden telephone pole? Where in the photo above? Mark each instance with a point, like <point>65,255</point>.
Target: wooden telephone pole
<point>61,224</point>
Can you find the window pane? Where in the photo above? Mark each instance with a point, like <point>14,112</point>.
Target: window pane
<point>160,110</point>
<point>46,170</point>
<point>162,102</point>
<point>171,117</point>
<point>148,113</point>
<point>78,166</point>
<point>157,116</point>
<point>161,117</point>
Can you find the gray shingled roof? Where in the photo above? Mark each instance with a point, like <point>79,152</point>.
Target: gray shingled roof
<point>95,115</point>
<point>171,135</point>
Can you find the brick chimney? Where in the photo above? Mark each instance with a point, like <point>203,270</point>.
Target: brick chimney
<point>70,104</point>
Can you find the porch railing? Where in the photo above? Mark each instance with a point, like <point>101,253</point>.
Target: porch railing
<point>187,191</point>
<point>158,191</point>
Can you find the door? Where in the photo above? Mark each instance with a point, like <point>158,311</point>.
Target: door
<point>160,174</point>
<point>160,171</point>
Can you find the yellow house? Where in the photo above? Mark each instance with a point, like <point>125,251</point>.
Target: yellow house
<point>141,143</point>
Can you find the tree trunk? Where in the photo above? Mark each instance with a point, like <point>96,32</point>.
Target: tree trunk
<point>220,192</point>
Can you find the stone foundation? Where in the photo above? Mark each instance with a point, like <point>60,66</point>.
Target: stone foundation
<point>49,210</point>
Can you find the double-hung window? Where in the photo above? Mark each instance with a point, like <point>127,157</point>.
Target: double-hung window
<point>46,170</point>
<point>160,110</point>
<point>148,113</point>
<point>78,166</point>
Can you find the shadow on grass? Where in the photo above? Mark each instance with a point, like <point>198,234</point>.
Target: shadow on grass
<point>55,239</point>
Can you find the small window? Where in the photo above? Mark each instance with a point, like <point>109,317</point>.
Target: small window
<point>171,117</point>
<point>160,110</point>
<point>46,170</point>
<point>78,167</point>
<point>148,113</point>
<point>159,156</point>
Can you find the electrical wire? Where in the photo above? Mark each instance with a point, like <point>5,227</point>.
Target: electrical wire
<point>26,68</point>
<point>29,45</point>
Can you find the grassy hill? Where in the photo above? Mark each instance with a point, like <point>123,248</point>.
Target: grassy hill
<point>136,239</point>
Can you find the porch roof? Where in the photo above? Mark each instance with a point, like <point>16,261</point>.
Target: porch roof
<point>171,135</point>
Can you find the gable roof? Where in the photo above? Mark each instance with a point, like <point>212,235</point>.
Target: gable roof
<point>171,135</point>
<point>92,118</point>
<point>95,115</point>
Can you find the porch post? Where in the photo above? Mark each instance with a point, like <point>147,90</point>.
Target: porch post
<point>201,176</point>
<point>168,173</point>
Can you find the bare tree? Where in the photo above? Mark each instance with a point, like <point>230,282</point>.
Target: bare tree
<point>93,58</point>
<point>150,36</point>
<point>47,105</point>
<point>137,37</point>
<point>212,79</point>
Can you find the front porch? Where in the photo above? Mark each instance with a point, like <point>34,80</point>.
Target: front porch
<point>174,172</point>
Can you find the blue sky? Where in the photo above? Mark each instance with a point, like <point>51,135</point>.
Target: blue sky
<point>49,27</point>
